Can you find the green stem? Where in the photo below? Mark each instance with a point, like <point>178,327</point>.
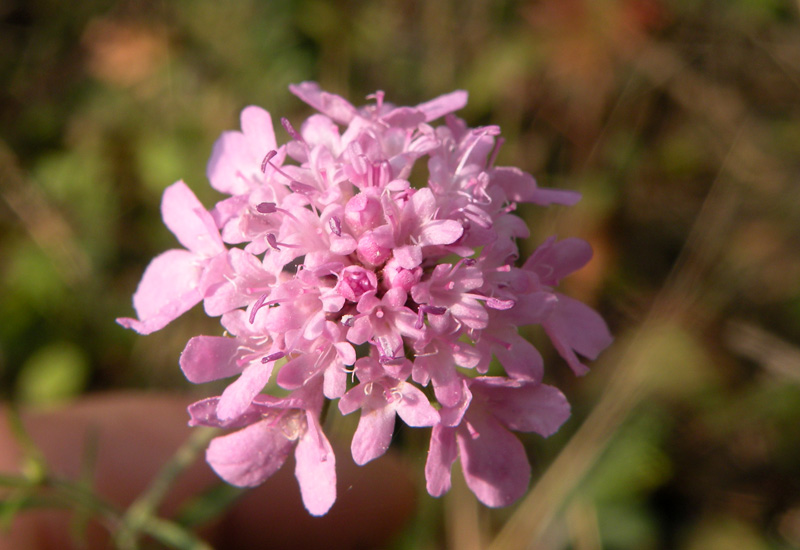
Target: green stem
<point>34,466</point>
<point>141,515</point>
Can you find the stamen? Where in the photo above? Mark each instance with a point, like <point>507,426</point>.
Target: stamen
<point>267,158</point>
<point>496,341</point>
<point>273,357</point>
<point>478,133</point>
<point>430,310</point>
<point>272,241</point>
<point>336,225</point>
<point>378,97</point>
<point>496,303</point>
<point>292,182</point>
<point>290,129</point>
<point>261,302</point>
<point>493,155</point>
<point>301,188</point>
<point>267,208</point>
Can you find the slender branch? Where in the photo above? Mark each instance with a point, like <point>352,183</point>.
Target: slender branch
<point>141,514</point>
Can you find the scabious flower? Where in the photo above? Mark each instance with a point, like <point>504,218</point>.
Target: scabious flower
<point>338,276</point>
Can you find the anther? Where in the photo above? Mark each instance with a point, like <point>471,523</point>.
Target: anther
<point>267,208</point>
<point>496,303</point>
<point>336,226</point>
<point>301,188</point>
<point>267,158</point>
<point>272,241</point>
<point>290,129</point>
<point>273,356</point>
<point>258,305</point>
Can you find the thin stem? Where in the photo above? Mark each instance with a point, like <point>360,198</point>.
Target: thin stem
<point>141,514</point>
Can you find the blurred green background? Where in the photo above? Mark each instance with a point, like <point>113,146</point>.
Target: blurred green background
<point>678,120</point>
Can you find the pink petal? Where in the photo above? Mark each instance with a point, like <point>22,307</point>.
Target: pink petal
<point>523,406</point>
<point>408,257</point>
<point>248,457</point>
<point>575,326</point>
<point>321,130</point>
<point>315,325</point>
<point>520,186</point>
<point>258,131</point>
<point>332,105</point>
<point>297,371</point>
<point>315,469</point>
<point>334,381</point>
<point>373,435</point>
<point>346,352</point>
<point>207,358</point>
<point>553,261</point>
<point>414,407</point>
<point>471,313</point>
<point>545,196</point>
<point>343,245</point>
<point>423,205</point>
<point>522,360</point>
<point>441,455</point>
<point>169,288</point>
<point>404,117</point>
<point>443,105</point>
<point>352,400</point>
<point>186,217</point>
<point>447,384</point>
<point>361,331</point>
<point>238,396</point>
<point>494,462</point>
<point>532,309</point>
<point>440,232</point>
<point>204,413</point>
<point>226,167</point>
<point>452,416</point>
<point>226,294</point>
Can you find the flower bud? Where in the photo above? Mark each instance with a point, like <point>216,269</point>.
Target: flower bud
<point>363,213</point>
<point>396,276</point>
<point>355,281</point>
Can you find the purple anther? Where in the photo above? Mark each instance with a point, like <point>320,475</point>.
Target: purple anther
<point>336,225</point>
<point>267,208</point>
<point>386,360</point>
<point>434,310</point>
<point>301,188</point>
<point>290,129</point>
<point>430,310</point>
<point>272,241</point>
<point>273,356</point>
<point>256,306</point>
<point>496,303</point>
<point>378,97</point>
<point>267,158</point>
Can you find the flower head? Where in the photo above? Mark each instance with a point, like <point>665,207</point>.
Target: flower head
<point>336,277</point>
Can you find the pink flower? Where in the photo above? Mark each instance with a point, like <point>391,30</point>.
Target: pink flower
<point>178,279</point>
<point>336,278</point>
<point>380,397</point>
<point>494,462</point>
<point>270,429</point>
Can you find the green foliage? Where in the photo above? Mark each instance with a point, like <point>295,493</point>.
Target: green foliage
<point>53,374</point>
